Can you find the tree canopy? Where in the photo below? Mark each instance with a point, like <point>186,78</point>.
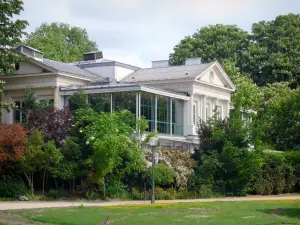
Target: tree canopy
<point>274,52</point>
<point>61,42</point>
<point>11,32</point>
<point>214,42</point>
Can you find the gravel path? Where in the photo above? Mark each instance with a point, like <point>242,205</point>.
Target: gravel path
<point>9,205</point>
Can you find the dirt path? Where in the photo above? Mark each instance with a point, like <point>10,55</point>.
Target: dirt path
<point>10,205</point>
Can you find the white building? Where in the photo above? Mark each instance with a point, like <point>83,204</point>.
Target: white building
<point>171,98</point>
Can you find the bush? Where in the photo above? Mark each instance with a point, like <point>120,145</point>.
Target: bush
<point>11,187</point>
<point>164,175</point>
<point>53,193</point>
<point>277,175</point>
<point>136,194</point>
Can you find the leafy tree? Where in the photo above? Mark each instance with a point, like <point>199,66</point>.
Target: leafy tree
<point>50,158</point>
<point>114,150</point>
<point>276,123</point>
<point>247,95</point>
<point>61,42</point>
<point>215,42</point>
<point>78,101</point>
<point>11,32</point>
<point>52,122</point>
<point>274,54</point>
<point>32,158</point>
<point>284,130</point>
<point>68,168</point>
<point>12,138</point>
<point>239,168</point>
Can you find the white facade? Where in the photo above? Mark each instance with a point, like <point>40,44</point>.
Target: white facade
<point>191,92</point>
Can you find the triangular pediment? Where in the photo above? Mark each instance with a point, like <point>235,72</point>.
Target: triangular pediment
<point>216,76</point>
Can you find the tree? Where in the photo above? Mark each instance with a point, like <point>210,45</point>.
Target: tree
<point>61,42</point>
<point>50,158</point>
<point>78,101</point>
<point>114,150</point>
<point>11,32</point>
<point>277,122</point>
<point>215,42</point>
<point>54,123</point>
<point>247,94</point>
<point>12,139</point>
<point>32,158</point>
<point>274,54</point>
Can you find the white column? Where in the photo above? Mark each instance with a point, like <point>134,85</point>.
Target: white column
<point>140,104</point>
<point>191,109</point>
<point>204,107</point>
<point>227,108</point>
<point>137,105</point>
<point>171,101</point>
<point>56,98</point>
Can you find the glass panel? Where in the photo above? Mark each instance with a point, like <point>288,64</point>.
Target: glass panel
<point>124,101</point>
<point>163,114</point>
<point>100,102</point>
<point>147,109</point>
<point>177,117</point>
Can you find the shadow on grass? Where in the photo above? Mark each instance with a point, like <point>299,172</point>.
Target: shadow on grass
<point>288,212</point>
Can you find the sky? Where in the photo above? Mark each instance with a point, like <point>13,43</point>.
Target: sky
<point>140,31</point>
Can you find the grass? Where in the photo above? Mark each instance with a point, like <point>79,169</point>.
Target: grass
<point>246,213</point>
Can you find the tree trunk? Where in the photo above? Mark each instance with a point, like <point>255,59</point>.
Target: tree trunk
<point>73,184</point>
<point>44,175</point>
<point>55,182</point>
<point>118,185</point>
<point>30,181</point>
<point>145,189</point>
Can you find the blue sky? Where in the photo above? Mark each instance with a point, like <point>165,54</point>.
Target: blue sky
<point>139,31</point>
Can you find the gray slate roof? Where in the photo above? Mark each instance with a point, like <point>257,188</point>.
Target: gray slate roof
<point>70,68</point>
<point>188,72</point>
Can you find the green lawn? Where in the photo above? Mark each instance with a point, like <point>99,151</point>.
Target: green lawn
<point>257,212</point>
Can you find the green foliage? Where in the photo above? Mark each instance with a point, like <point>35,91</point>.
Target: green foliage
<point>277,175</point>
<point>33,154</point>
<point>78,101</point>
<point>215,42</point>
<point>273,55</point>
<point>61,42</point>
<point>11,187</point>
<point>53,193</point>
<point>277,121</point>
<point>11,31</point>
<point>164,175</point>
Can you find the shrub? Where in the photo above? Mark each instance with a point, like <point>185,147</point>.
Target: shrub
<point>161,194</point>
<point>136,194</point>
<point>164,175</point>
<point>11,187</point>
<point>277,175</point>
<point>12,138</point>
<point>183,193</point>
<point>53,193</point>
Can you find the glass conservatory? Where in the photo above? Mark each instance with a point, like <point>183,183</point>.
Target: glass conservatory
<point>162,109</point>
